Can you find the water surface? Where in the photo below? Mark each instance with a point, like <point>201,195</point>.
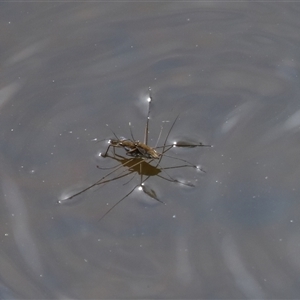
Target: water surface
<point>73,72</point>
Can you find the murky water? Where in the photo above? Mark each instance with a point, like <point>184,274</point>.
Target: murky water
<point>73,72</point>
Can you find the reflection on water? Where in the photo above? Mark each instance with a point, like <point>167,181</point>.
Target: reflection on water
<point>229,70</point>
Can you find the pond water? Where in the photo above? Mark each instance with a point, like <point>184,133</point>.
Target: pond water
<point>73,73</point>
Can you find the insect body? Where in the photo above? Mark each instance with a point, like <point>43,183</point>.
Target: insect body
<point>142,155</point>
<point>133,148</point>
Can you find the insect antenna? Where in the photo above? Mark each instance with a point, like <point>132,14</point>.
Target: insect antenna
<point>113,133</point>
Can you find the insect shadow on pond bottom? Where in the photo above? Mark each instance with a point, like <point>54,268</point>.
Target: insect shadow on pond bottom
<point>141,156</point>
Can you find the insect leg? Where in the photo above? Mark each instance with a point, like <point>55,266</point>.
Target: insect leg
<point>118,202</point>
<point>148,117</point>
<point>100,181</point>
<point>105,154</point>
<point>164,146</point>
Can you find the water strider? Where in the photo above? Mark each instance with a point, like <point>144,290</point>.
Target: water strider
<point>141,156</point>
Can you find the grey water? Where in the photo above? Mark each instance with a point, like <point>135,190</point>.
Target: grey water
<point>71,73</point>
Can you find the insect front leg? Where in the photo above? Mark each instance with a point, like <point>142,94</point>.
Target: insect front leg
<point>110,145</point>
<point>105,154</point>
<point>114,144</point>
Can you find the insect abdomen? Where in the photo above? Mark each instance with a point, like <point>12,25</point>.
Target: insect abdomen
<point>147,151</point>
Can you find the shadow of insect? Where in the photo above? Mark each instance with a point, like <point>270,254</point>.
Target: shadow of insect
<point>144,161</point>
